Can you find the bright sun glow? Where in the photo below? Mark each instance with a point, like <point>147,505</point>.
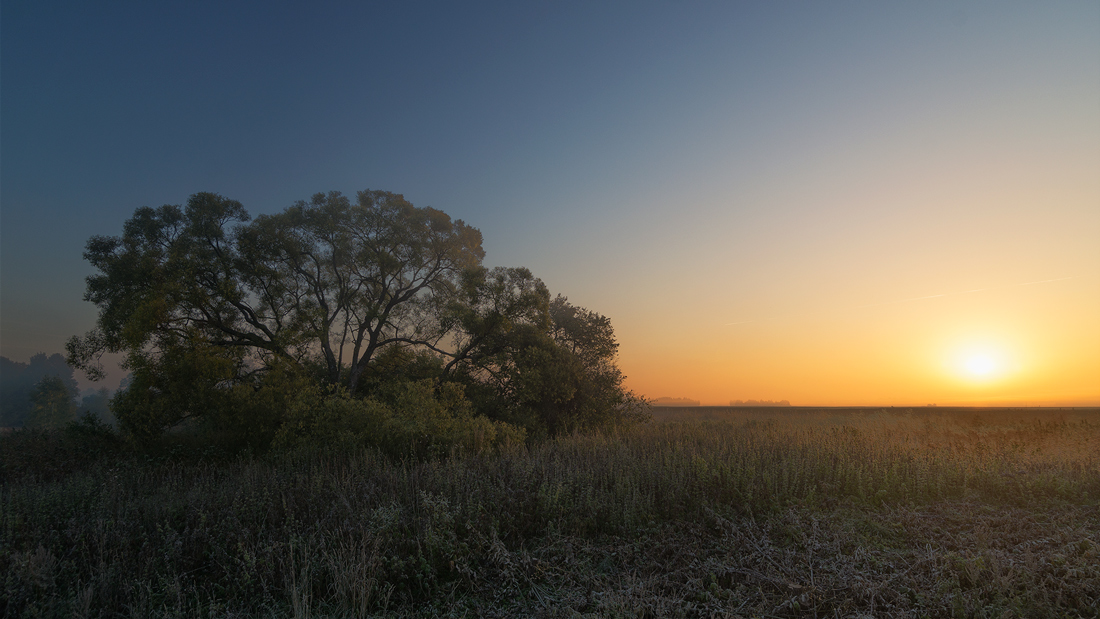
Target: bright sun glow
<point>982,362</point>
<point>980,365</point>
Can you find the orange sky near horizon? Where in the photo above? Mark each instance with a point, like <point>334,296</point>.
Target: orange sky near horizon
<point>1015,346</point>
<point>842,291</point>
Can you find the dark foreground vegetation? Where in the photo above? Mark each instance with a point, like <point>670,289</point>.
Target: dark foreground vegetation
<point>926,513</point>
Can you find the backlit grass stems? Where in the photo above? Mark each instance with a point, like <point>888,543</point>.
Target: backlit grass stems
<point>310,533</point>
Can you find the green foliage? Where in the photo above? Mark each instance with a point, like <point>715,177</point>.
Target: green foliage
<point>559,376</point>
<point>183,382</point>
<point>433,423</point>
<point>493,310</point>
<point>52,404</point>
<point>92,439</point>
<point>221,318</point>
<point>400,363</point>
<point>356,278</point>
<point>98,405</point>
<point>582,332</point>
<point>48,454</point>
<point>326,281</point>
<point>335,421</point>
<point>411,419</point>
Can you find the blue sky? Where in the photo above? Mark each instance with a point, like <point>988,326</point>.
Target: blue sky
<point>677,166</point>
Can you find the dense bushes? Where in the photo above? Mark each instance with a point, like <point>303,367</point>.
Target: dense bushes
<point>411,419</point>
<point>286,409</point>
<point>45,454</point>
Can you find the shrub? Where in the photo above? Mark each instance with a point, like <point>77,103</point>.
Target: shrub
<point>405,419</point>
<point>335,420</point>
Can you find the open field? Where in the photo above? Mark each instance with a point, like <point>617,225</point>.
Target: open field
<point>703,512</point>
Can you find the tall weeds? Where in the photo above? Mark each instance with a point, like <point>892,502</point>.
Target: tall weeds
<point>313,533</point>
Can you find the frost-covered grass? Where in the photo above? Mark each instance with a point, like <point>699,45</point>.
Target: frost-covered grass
<point>750,513</point>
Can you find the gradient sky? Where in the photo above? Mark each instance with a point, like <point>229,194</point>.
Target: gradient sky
<point>833,203</point>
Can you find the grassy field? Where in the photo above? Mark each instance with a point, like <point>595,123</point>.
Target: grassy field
<point>701,513</point>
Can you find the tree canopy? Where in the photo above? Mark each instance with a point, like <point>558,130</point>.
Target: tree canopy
<point>207,304</point>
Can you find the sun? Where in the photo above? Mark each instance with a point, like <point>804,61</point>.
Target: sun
<point>982,362</point>
<point>981,365</point>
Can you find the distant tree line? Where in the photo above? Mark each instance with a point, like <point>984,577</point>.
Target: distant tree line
<point>337,320</point>
<point>759,403</point>
<point>679,402</point>
<point>44,394</point>
<point>675,402</point>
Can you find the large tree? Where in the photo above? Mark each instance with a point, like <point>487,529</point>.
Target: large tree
<point>355,278</point>
<point>327,283</point>
<point>206,302</point>
<point>327,279</point>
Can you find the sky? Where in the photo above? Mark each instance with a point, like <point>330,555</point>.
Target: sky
<point>831,203</point>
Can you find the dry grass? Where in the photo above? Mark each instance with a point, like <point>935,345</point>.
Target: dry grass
<point>755,513</point>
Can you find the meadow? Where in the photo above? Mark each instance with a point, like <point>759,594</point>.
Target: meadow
<point>701,512</point>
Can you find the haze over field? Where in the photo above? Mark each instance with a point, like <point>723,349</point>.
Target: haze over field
<point>827,204</point>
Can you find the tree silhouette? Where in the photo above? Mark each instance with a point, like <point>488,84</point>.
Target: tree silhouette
<point>18,380</point>
<point>206,303</point>
<point>52,404</point>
